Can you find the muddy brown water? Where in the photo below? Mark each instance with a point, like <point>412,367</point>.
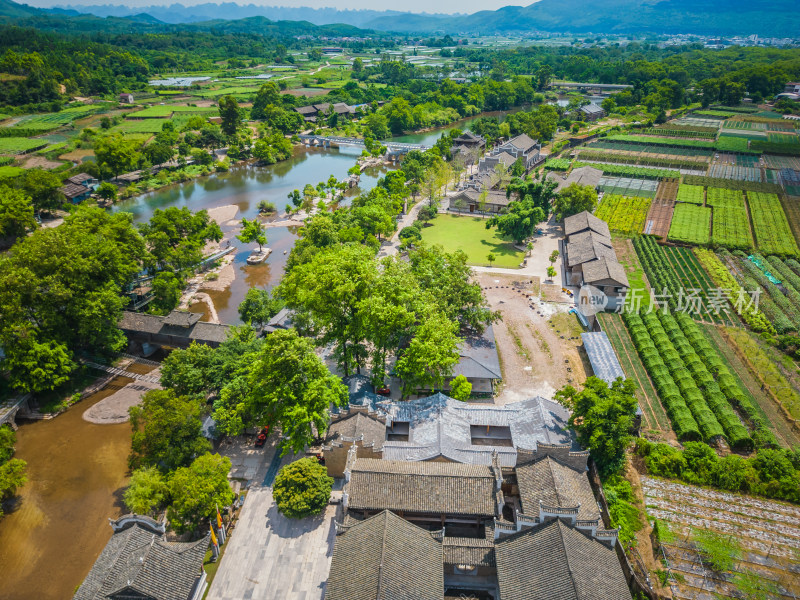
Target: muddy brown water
<point>77,472</point>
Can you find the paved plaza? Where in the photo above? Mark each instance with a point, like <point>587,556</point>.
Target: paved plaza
<point>270,557</point>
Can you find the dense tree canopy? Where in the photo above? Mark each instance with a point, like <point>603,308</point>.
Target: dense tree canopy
<point>302,488</point>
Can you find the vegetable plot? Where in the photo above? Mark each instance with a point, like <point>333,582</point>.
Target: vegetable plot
<point>691,224</point>
<point>624,214</point>
<point>691,194</point>
<point>772,231</point>
<point>730,227</point>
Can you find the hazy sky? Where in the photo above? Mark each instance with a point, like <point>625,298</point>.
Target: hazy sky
<point>440,6</point>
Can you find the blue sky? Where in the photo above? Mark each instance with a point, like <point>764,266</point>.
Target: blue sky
<point>442,6</point>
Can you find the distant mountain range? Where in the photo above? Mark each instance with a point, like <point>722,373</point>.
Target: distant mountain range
<point>766,18</point>
<point>178,13</point>
<point>773,18</point>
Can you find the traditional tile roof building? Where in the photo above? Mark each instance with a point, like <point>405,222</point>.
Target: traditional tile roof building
<point>138,562</point>
<point>592,112</point>
<point>471,199</point>
<point>385,558</point>
<point>554,561</point>
<point>440,428</point>
<point>423,490</point>
<point>548,543</point>
<point>469,140</point>
<point>591,260</point>
<point>582,176</point>
<point>75,193</point>
<point>178,329</point>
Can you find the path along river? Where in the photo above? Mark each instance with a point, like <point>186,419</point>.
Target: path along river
<point>77,470</point>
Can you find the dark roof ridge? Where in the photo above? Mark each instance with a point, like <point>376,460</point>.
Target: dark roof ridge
<point>383,554</point>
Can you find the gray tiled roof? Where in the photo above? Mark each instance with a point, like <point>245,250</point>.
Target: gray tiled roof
<point>386,558</point>
<point>587,246</point>
<point>556,562</point>
<point>521,142</point>
<point>555,484</point>
<point>358,426</point>
<point>605,269</point>
<point>73,190</point>
<point>507,159</point>
<point>422,487</point>
<point>440,426</point>
<point>469,551</point>
<point>156,325</point>
<point>306,110</point>
<point>478,358</point>
<point>585,221</point>
<point>605,364</point>
<point>141,561</point>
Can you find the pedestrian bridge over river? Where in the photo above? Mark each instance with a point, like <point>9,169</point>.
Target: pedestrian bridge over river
<point>328,141</point>
<point>10,408</point>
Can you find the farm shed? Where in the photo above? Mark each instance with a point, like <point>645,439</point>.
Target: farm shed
<point>601,355</point>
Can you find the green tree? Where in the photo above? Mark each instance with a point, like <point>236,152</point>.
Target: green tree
<point>147,491</point>
<point>269,95</point>
<point>431,355</point>
<point>167,431</point>
<point>12,477</point>
<point>519,222</point>
<point>602,416</point>
<point>197,490</point>
<point>575,198</point>
<point>325,294</point>
<point>377,125</point>
<point>460,388</point>
<point>158,153</point>
<point>43,188</point>
<point>107,191</point>
<point>231,115</point>
<point>259,306</point>
<point>551,272</point>
<point>491,258</point>
<point>167,290</point>
<point>16,213</point>
<point>118,153</point>
<point>176,237</point>
<point>8,437</point>
<point>399,115</point>
<point>302,488</point>
<point>253,231</point>
<point>187,372</point>
<point>290,387</point>
<point>553,257</point>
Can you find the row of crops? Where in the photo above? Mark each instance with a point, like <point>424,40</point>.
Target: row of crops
<point>696,132</point>
<point>624,214</point>
<point>730,226</point>
<point>626,170</point>
<point>691,224</point>
<point>661,141</point>
<point>695,386</point>
<point>771,227</point>
<point>643,158</point>
<point>691,194</point>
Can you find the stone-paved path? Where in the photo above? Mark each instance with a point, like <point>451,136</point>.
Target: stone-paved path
<point>270,557</point>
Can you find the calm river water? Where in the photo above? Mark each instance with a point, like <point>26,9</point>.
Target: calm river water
<point>77,470</point>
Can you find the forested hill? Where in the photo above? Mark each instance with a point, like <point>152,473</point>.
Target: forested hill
<point>773,18</point>
<point>23,15</point>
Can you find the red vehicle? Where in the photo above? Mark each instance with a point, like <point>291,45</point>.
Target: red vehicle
<point>384,391</point>
<point>261,438</point>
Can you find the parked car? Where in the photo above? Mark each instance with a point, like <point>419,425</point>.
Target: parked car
<point>262,436</point>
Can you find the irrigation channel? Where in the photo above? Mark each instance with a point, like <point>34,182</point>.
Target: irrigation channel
<point>77,471</point>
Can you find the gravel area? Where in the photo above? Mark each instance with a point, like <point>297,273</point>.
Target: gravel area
<point>114,408</point>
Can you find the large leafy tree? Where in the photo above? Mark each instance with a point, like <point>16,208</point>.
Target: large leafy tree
<point>602,416</point>
<point>42,187</point>
<point>326,292</point>
<point>430,356</point>
<point>16,213</point>
<point>231,115</point>
<point>302,488</point>
<point>253,232</point>
<point>119,154</point>
<point>537,190</point>
<point>147,491</point>
<point>60,294</point>
<point>447,278</point>
<point>167,431</point>
<point>519,222</point>
<point>573,199</point>
<point>290,387</point>
<point>175,237</point>
<point>259,306</point>
<point>197,490</point>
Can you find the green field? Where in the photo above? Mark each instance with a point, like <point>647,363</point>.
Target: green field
<point>470,235</point>
<point>160,111</point>
<point>15,145</point>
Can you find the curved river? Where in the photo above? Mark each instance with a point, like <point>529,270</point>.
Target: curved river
<point>77,470</point>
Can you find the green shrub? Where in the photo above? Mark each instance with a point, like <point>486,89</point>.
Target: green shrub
<point>302,488</point>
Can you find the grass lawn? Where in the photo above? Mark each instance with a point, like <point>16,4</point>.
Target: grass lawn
<point>470,235</point>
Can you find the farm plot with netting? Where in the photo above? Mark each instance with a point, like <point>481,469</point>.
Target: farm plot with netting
<point>744,126</point>
<point>654,417</point>
<point>774,161</point>
<point>625,186</point>
<point>691,194</point>
<point>698,122</point>
<point>725,171</point>
<point>730,227</point>
<point>632,156</point>
<point>660,216</point>
<point>691,224</point>
<point>767,533</point>
<point>771,227</point>
<point>624,214</point>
